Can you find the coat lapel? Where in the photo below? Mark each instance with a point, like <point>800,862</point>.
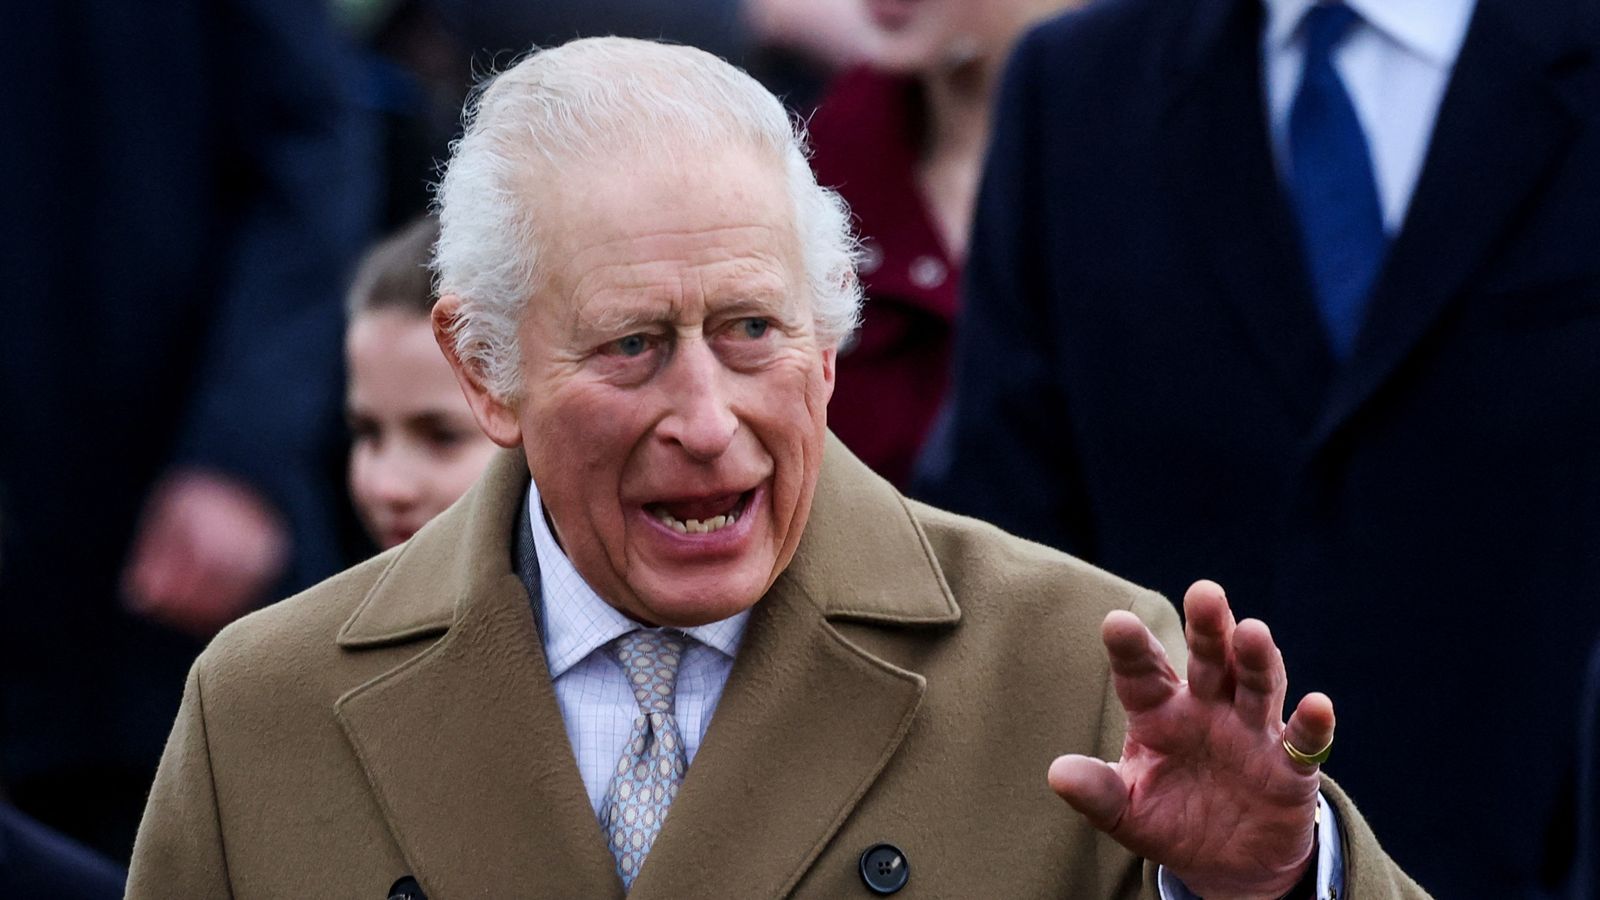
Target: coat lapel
<point>1224,179</point>
<point>1503,124</point>
<point>468,730</point>
<point>808,720</point>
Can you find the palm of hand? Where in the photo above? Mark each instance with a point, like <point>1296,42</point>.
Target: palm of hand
<point>1211,796</point>
<point>1204,786</point>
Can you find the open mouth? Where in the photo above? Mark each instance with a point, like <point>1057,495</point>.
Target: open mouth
<point>701,516</point>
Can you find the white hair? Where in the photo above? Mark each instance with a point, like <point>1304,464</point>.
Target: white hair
<point>596,98</point>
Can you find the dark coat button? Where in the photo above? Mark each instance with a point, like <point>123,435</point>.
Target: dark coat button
<point>406,889</point>
<point>884,868</point>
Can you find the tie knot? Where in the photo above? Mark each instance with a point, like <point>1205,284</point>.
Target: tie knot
<point>649,661</point>
<point>1326,25</point>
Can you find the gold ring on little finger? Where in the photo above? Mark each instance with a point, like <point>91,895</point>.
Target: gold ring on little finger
<point>1308,759</point>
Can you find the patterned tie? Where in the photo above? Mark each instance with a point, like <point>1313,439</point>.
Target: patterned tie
<point>652,765</point>
<point>1335,194</point>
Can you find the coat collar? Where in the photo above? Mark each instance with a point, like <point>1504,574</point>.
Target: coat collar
<point>464,746</point>
<point>462,742</point>
<point>431,579</point>
<point>861,528</point>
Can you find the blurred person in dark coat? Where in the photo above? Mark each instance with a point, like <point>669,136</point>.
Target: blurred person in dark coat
<point>188,185</point>
<point>37,862</point>
<point>1409,489</point>
<point>1586,871</point>
<point>508,27</point>
<point>423,55</point>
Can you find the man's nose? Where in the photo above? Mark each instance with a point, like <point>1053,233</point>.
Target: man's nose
<point>700,417</point>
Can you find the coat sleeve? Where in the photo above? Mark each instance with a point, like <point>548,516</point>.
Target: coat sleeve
<point>296,149</point>
<point>1002,449</point>
<point>179,851</point>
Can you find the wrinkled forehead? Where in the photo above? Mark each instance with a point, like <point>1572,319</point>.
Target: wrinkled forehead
<point>636,217</point>
<point>678,184</point>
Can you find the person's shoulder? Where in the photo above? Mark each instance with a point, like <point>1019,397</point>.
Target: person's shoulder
<point>1031,614</point>
<point>983,563</point>
<point>293,640</point>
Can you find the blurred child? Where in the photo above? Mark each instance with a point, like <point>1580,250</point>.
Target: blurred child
<point>415,447</point>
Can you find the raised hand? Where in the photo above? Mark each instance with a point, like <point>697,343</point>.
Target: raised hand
<point>1205,786</point>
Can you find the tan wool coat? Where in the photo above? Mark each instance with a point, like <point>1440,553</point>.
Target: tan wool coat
<point>907,680</point>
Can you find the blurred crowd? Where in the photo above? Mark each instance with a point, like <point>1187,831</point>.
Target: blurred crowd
<point>1303,297</point>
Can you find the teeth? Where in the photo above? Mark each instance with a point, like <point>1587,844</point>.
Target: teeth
<point>696,526</point>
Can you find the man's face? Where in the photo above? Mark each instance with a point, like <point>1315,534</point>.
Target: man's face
<point>674,389</point>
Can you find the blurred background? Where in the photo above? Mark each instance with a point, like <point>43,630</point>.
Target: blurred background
<point>218,384</point>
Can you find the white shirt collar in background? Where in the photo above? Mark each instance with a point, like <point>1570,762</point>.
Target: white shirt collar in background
<point>1396,64</point>
<point>1432,29</point>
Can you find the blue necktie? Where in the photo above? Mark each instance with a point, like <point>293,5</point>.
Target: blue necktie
<point>1335,194</point>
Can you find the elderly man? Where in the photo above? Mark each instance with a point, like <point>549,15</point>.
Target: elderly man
<point>703,651</point>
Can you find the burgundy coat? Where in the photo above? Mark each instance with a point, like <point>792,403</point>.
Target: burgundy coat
<point>892,374</point>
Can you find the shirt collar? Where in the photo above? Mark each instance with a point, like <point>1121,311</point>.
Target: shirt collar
<point>576,621</point>
<point>1431,29</point>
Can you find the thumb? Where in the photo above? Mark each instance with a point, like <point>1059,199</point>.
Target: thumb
<point>1091,787</point>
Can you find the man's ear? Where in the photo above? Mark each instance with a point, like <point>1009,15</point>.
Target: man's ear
<point>495,416</point>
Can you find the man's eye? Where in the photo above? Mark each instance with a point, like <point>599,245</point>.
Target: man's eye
<point>632,345</point>
<point>754,328</point>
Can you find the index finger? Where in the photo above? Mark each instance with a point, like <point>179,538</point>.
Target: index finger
<point>1143,676</point>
